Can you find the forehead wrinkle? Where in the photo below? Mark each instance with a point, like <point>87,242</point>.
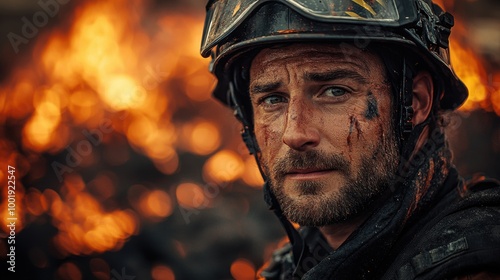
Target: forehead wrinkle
<point>264,87</point>
<point>335,56</point>
<point>271,76</point>
<point>331,75</point>
<point>268,63</point>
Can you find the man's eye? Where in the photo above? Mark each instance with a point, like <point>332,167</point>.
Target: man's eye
<point>273,99</point>
<point>335,91</point>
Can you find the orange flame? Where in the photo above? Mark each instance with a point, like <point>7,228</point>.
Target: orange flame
<point>483,87</point>
<point>107,72</point>
<point>84,227</point>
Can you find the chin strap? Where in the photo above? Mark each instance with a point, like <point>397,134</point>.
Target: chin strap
<point>409,134</point>
<point>406,99</point>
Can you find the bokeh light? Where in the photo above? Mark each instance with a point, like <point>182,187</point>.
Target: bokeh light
<point>242,269</point>
<point>122,158</point>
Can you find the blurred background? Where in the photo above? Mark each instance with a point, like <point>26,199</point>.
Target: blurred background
<point>126,169</point>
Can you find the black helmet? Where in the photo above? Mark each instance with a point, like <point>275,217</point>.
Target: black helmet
<point>235,27</point>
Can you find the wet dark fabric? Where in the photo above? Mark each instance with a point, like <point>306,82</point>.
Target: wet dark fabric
<point>433,226</point>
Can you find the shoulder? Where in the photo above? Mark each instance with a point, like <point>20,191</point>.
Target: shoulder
<point>462,240</point>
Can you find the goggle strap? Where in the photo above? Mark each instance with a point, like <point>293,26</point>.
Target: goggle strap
<point>406,98</point>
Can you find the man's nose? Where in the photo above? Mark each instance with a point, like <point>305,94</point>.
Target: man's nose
<point>300,128</point>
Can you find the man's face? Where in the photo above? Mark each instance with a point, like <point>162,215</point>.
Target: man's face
<point>323,123</point>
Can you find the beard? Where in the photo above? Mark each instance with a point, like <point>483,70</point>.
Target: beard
<point>315,207</point>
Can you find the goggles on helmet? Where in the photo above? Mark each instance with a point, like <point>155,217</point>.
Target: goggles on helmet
<point>223,16</point>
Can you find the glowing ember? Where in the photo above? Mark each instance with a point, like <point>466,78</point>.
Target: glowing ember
<point>242,269</point>
<point>161,272</point>
<point>190,195</point>
<point>156,204</point>
<point>224,166</point>
<point>202,137</point>
<point>84,227</point>
<point>251,175</point>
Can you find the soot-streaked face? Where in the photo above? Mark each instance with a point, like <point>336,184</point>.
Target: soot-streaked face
<point>323,123</point>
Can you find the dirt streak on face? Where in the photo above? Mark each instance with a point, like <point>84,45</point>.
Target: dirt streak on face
<point>372,107</point>
<point>351,126</point>
<point>307,99</point>
<point>353,122</point>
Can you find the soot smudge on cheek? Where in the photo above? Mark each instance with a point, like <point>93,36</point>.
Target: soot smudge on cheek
<point>372,107</point>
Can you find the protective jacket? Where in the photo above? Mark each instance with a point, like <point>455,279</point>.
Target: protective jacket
<point>433,226</point>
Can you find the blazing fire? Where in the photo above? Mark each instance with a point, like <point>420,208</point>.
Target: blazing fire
<point>106,74</point>
<point>484,87</point>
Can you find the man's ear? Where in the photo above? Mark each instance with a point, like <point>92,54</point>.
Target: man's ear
<point>423,89</point>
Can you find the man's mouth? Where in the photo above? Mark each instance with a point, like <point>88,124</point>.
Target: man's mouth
<point>308,173</point>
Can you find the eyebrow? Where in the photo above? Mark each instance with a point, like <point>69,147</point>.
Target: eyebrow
<point>315,77</point>
<point>262,88</point>
<point>335,75</point>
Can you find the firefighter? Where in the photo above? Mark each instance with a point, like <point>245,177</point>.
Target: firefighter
<point>343,105</point>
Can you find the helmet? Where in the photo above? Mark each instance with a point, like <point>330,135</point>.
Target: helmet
<point>235,27</point>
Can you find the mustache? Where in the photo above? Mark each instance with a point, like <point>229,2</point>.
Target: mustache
<point>310,159</point>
